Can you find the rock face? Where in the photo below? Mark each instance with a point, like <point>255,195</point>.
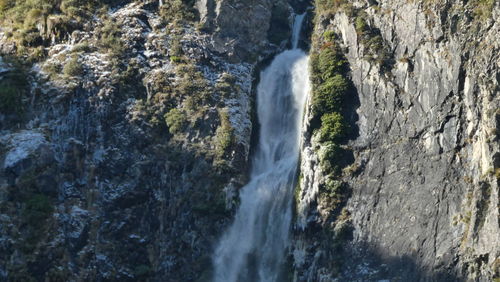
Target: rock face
<point>122,152</point>
<point>124,161</point>
<point>424,191</point>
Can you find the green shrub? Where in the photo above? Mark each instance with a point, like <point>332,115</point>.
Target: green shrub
<point>196,90</point>
<point>73,67</point>
<point>5,5</point>
<point>375,47</point>
<point>329,154</point>
<point>35,22</point>
<point>329,95</point>
<point>328,62</point>
<point>52,69</point>
<point>330,88</point>
<point>329,35</point>
<point>483,8</point>
<point>33,17</point>
<point>176,59</point>
<point>226,86</point>
<point>176,47</point>
<point>361,25</point>
<point>375,43</point>
<point>177,11</point>
<point>176,120</point>
<point>332,188</point>
<point>330,6</point>
<point>29,38</point>
<point>224,135</point>
<point>83,47</point>
<point>332,127</point>
<point>110,38</point>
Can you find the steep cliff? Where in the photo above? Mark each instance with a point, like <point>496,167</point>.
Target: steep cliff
<point>125,131</point>
<point>126,127</point>
<point>417,195</point>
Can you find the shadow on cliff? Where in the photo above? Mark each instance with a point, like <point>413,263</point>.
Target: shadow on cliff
<point>368,261</point>
<point>365,261</point>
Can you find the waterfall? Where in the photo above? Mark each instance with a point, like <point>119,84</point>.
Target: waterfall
<point>297,26</point>
<point>253,248</point>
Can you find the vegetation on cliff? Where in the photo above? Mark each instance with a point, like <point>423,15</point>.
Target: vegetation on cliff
<point>331,86</point>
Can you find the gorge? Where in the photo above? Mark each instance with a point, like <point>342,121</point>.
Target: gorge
<point>202,140</point>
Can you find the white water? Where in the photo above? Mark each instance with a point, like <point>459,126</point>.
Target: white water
<point>253,249</point>
<point>297,26</point>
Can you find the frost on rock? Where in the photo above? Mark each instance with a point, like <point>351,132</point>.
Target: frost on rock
<point>21,145</point>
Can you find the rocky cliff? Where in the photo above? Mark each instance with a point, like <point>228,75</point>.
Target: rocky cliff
<point>125,131</point>
<point>126,126</point>
<point>419,194</point>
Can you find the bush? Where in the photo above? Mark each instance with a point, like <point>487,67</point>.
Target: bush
<point>52,69</point>
<point>371,38</point>
<point>329,95</point>
<point>332,188</point>
<point>328,62</point>
<point>35,22</point>
<point>330,88</point>
<point>176,47</point>
<point>483,8</point>
<point>224,136</point>
<point>332,127</point>
<point>226,86</point>
<point>5,5</point>
<point>329,35</point>
<point>110,38</point>
<point>175,59</point>
<point>360,25</point>
<point>330,6</point>
<point>196,88</point>
<point>177,11</point>
<point>329,154</point>
<point>83,47</point>
<point>73,67</point>
<point>176,120</point>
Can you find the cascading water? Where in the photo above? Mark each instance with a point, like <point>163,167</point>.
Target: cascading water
<point>253,249</point>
